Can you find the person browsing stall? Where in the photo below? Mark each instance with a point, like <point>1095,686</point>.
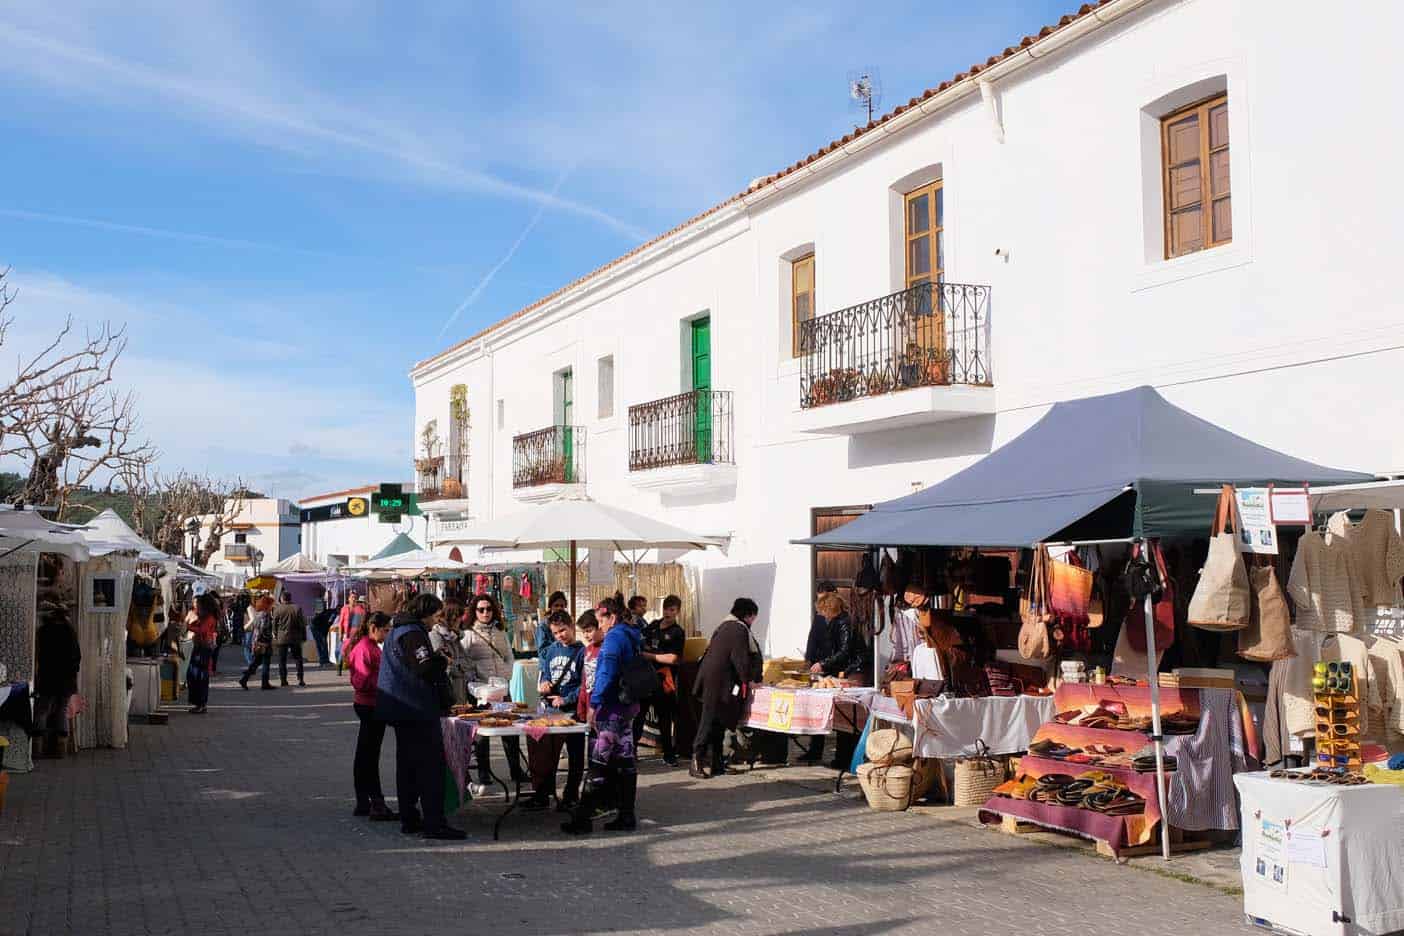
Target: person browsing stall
<point>488,656</point>
<point>560,691</point>
<point>663,643</point>
<point>557,602</point>
<point>731,664</point>
<point>363,657</point>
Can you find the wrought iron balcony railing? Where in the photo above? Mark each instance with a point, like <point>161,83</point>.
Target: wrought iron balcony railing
<point>931,334</point>
<point>554,455</point>
<point>693,428</point>
<point>238,551</point>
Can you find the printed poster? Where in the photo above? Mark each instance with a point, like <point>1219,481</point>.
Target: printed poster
<point>1269,855</point>
<point>782,711</point>
<point>1256,533</point>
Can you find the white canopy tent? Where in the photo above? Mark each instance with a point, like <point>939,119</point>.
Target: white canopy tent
<point>412,563</point>
<point>296,563</point>
<point>580,521</point>
<point>111,528</point>
<point>21,529</point>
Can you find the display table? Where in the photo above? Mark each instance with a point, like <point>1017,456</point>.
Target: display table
<point>526,676</point>
<point>1322,860</point>
<point>950,727</point>
<point>460,734</point>
<point>1199,795</point>
<point>807,711</point>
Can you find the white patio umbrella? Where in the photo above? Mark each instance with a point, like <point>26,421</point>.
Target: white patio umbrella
<point>580,521</point>
<point>414,562</point>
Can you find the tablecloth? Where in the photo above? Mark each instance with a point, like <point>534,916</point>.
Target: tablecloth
<point>949,727</point>
<point>459,734</point>
<point>525,679</point>
<point>808,711</point>
<point>1335,849</point>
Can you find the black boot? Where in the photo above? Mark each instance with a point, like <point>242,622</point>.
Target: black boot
<point>244,683</point>
<point>695,770</point>
<point>628,790</point>
<point>580,823</point>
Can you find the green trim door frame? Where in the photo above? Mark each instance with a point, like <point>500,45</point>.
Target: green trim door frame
<point>566,416</point>
<point>702,381</point>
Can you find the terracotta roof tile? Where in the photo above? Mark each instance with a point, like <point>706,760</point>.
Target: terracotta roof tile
<point>1024,43</point>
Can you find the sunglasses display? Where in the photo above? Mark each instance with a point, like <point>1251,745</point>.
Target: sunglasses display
<point>1337,716</point>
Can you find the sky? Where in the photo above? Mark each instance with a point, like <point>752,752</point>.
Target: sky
<point>287,205</point>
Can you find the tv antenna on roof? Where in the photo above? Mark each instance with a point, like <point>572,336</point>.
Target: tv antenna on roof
<point>865,91</point>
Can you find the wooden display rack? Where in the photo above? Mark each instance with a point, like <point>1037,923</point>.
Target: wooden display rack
<point>1331,746</point>
<point>1181,841</point>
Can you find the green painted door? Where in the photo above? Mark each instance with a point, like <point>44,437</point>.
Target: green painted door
<point>701,381</point>
<point>567,425</point>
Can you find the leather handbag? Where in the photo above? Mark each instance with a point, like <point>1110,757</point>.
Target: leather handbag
<point>1034,643</point>
<point>1162,600</point>
<point>904,694</point>
<point>1221,599</point>
<point>1070,590</point>
<point>892,576</point>
<point>1268,636</point>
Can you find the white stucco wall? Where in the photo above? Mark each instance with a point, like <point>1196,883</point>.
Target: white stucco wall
<point>356,538</point>
<point>1280,336</point>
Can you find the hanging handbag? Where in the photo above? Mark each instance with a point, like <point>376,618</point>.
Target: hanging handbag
<point>1147,575</point>
<point>1221,600</point>
<point>1034,643</point>
<point>1268,636</point>
<point>867,577</point>
<point>1097,605</point>
<point>1070,590</point>
<point>892,576</point>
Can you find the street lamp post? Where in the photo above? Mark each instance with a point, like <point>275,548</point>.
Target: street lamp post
<point>257,560</point>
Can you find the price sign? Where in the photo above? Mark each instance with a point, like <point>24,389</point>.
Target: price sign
<point>782,711</point>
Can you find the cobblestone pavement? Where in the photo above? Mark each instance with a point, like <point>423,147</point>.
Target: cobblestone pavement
<point>239,822</point>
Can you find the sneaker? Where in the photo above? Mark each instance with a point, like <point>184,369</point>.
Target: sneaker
<point>624,822</point>
<point>444,834</point>
<point>478,790</point>
<point>671,761</point>
<point>301,683</point>
<point>269,686</point>
<point>243,684</point>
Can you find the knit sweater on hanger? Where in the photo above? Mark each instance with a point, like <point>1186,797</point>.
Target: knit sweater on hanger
<point>1324,585</point>
<point>1377,552</point>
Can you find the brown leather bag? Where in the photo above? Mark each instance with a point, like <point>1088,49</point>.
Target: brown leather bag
<point>1268,636</point>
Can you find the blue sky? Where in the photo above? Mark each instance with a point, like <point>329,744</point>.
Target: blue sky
<point>288,203</point>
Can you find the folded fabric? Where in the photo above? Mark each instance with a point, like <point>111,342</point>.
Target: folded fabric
<point>1396,762</point>
<point>1377,774</point>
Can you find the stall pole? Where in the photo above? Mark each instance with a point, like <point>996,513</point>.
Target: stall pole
<point>1156,737</point>
<point>572,578</point>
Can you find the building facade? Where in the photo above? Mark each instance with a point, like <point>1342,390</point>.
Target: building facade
<point>342,528</point>
<point>263,532</point>
<point>1131,197</point>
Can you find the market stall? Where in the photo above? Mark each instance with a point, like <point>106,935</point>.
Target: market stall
<point>498,721</point>
<point>1119,471</point>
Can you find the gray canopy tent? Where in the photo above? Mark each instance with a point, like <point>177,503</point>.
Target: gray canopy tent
<point>1115,468</point>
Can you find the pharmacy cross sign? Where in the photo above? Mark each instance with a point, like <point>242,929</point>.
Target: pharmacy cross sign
<point>389,502</point>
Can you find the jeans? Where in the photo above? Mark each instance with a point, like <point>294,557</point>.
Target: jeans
<point>665,709</point>
<point>419,772</point>
<point>261,659</point>
<point>248,647</point>
<point>319,637</point>
<point>543,759</point>
<point>366,767</point>
<point>283,651</point>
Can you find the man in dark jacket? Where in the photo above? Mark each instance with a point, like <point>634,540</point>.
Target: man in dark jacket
<point>406,697</point>
<point>663,645</point>
<point>289,631</point>
<point>57,658</point>
<point>731,664</point>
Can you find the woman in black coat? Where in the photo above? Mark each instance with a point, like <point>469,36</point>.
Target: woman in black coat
<point>732,662</point>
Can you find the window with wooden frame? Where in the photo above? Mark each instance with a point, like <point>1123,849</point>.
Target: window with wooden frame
<point>926,235</point>
<point>1195,155</point>
<point>801,299</point>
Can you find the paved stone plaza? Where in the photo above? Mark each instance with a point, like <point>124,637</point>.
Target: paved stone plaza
<point>238,822</point>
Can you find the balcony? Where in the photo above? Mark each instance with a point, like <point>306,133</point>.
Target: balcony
<point>548,462</point>
<point>239,552</point>
<point>683,444</point>
<point>917,356</point>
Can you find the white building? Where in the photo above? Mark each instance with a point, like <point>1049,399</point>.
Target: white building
<point>264,531</point>
<point>343,528</point>
<point>1081,180</point>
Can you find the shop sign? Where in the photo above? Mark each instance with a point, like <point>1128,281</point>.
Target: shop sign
<point>1256,532</point>
<point>445,527</point>
<point>340,511</point>
<point>1269,858</point>
<point>782,711</point>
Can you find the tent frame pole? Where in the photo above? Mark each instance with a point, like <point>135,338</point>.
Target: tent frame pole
<point>572,577</point>
<point>1152,658</point>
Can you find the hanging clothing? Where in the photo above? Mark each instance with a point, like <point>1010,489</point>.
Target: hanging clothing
<point>1298,703</point>
<point>1387,663</point>
<point>1324,585</point>
<point>1377,552</point>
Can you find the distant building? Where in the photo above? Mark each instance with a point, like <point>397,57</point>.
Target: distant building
<point>264,531</point>
<point>343,528</point>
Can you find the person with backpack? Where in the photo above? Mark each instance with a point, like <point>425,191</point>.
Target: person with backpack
<point>622,680</point>
<point>260,626</point>
<point>733,662</point>
<point>663,643</point>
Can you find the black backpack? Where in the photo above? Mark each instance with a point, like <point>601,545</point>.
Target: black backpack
<point>638,680</point>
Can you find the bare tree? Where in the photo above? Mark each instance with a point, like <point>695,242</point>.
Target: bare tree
<point>164,505</point>
<point>61,413</point>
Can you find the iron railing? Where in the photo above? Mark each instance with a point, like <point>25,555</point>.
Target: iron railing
<point>238,551</point>
<point>693,428</point>
<point>931,334</point>
<point>554,455</point>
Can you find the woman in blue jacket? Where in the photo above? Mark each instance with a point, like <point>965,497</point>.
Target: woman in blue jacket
<point>612,764</point>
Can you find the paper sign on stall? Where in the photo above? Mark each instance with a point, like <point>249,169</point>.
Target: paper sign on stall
<point>1269,859</point>
<point>782,711</point>
<point>1291,505</point>
<point>1256,533</point>
<point>1306,847</point>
